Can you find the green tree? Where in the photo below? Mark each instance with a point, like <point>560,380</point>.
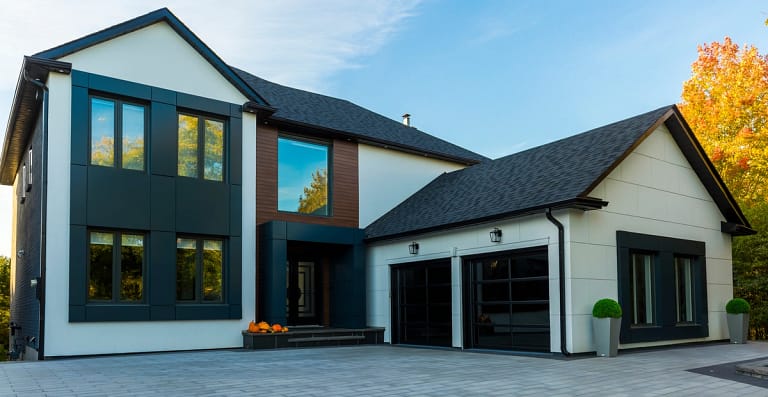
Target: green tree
<point>315,197</point>
<point>5,300</point>
<point>750,269</point>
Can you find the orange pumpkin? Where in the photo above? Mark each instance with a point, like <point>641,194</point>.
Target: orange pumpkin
<point>277,327</point>
<point>252,327</point>
<point>285,329</point>
<point>264,326</point>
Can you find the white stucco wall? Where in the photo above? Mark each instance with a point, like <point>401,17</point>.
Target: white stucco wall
<point>653,191</point>
<point>387,177</point>
<point>153,56</point>
<point>156,56</point>
<point>530,231</point>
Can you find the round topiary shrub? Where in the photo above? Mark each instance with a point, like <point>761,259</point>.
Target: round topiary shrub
<point>606,308</point>
<point>737,306</point>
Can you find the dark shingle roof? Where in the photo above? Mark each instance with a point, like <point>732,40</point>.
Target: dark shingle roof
<point>303,107</point>
<point>536,178</point>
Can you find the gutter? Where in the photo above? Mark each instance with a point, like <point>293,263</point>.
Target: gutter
<point>561,277</point>
<point>43,204</point>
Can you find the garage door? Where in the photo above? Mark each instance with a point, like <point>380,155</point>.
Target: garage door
<point>421,303</point>
<point>506,299</point>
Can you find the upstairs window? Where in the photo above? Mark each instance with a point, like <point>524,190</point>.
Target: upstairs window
<point>118,133</point>
<point>302,176</point>
<point>201,147</point>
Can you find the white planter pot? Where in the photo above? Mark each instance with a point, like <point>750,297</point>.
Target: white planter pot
<point>605,334</point>
<point>738,327</point>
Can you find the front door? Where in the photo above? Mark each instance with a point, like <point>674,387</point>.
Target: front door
<point>302,293</point>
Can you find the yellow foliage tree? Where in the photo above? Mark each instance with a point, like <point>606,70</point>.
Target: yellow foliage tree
<point>315,197</point>
<point>726,104</point>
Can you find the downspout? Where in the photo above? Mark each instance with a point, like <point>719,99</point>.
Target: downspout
<point>43,203</point>
<point>561,277</point>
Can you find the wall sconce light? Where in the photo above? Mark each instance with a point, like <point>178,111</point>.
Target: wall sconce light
<point>413,248</point>
<point>496,235</point>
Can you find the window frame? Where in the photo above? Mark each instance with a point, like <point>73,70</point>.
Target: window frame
<point>649,301</point>
<point>200,155</point>
<point>664,250</point>
<point>328,144</point>
<point>117,145</point>
<point>199,249</point>
<point>117,267</point>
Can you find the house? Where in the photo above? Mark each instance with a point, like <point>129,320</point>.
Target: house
<point>164,199</point>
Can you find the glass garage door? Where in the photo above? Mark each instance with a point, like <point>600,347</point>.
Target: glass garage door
<point>507,301</point>
<point>421,304</point>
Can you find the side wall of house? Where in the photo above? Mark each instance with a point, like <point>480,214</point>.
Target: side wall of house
<point>387,177</point>
<point>457,245</point>
<point>154,56</point>
<point>25,264</point>
<point>654,191</point>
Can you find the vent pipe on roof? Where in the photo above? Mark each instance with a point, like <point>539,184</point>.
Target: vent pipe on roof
<point>407,120</point>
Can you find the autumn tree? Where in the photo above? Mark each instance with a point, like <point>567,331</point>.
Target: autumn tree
<point>315,197</point>
<point>726,104</point>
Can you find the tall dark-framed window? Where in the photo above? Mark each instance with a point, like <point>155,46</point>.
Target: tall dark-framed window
<point>118,132</point>
<point>642,289</point>
<point>116,266</point>
<point>662,288</point>
<point>201,143</point>
<point>199,269</point>
<point>303,176</point>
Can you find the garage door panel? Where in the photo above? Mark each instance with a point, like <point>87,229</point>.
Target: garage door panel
<point>421,306</point>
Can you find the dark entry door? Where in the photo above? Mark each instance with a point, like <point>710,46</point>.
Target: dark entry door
<point>421,304</point>
<point>303,293</point>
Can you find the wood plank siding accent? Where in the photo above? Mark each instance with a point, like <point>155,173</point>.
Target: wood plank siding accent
<point>344,194</point>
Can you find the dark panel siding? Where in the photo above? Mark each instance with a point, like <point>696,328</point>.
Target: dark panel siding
<point>155,202</point>
<point>118,198</point>
<point>25,307</point>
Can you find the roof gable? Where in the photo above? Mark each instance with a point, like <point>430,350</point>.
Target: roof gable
<point>161,15</point>
<point>555,175</point>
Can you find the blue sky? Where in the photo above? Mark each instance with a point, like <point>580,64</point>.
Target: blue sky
<point>496,77</point>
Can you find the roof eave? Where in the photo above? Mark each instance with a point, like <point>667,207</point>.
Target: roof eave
<point>24,109</point>
<point>578,203</point>
<point>736,229</point>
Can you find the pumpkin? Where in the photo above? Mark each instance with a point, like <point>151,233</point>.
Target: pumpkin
<point>264,326</point>
<point>252,327</point>
<point>285,329</point>
<point>277,327</point>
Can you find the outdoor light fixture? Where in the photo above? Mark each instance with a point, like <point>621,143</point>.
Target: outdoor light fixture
<point>413,248</point>
<point>496,235</point>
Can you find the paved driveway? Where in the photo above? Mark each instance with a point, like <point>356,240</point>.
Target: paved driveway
<point>383,371</point>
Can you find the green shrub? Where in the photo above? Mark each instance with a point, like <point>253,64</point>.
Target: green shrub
<point>737,306</point>
<point>606,308</point>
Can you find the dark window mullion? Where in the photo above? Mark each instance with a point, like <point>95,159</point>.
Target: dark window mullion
<point>201,147</point>
<point>199,270</point>
<point>116,265</point>
<point>118,146</point>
